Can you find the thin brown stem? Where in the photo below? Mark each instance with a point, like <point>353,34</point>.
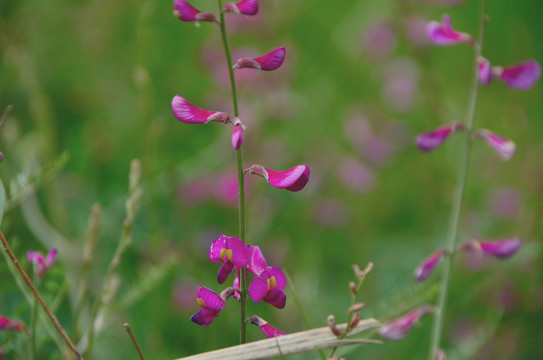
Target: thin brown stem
<point>134,340</point>
<point>30,284</point>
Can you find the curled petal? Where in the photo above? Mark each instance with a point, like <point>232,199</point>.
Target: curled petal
<point>266,328</point>
<point>521,76</point>
<point>504,147</point>
<point>485,70</point>
<point>502,249</point>
<point>428,265</point>
<point>398,328</point>
<point>186,12</point>
<point>270,61</point>
<point>237,134</point>
<point>245,7</point>
<point>224,272</point>
<point>443,33</point>
<point>51,257</point>
<point>209,299</point>
<point>258,289</point>
<point>276,298</point>
<point>190,114</point>
<point>430,140</point>
<point>257,262</point>
<point>293,179</point>
<point>204,317</point>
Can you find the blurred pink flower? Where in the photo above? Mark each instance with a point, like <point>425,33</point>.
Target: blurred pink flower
<point>443,33</point>
<point>428,265</point>
<point>398,328</point>
<point>379,40</point>
<point>190,114</point>
<point>356,175</point>
<point>440,355</point>
<point>505,202</point>
<point>401,87</point>
<point>330,213</point>
<point>416,31</point>
<point>430,140</point>
<point>522,76</point>
<point>195,191</point>
<point>485,70</point>
<point>8,324</point>
<point>501,249</point>
<point>186,12</point>
<point>266,328</point>
<point>245,7</point>
<point>268,62</point>
<point>227,187</point>
<point>504,147</point>
<point>42,263</point>
<point>293,179</point>
<point>182,296</point>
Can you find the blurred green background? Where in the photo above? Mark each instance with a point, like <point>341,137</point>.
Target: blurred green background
<point>94,80</point>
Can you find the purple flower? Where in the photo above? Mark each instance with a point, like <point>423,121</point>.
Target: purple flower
<point>443,33</point>
<point>504,147</point>
<point>398,328</point>
<point>269,287</point>
<point>266,328</point>
<point>520,76</point>
<point>231,252</point>
<point>8,324</point>
<point>270,61</point>
<point>501,249</point>
<point>429,140</point>
<point>428,265</point>
<point>257,262</point>
<point>293,179</point>
<point>237,134</point>
<point>43,264</point>
<point>440,355</point>
<point>211,304</point>
<point>485,70</point>
<point>186,12</point>
<point>245,7</point>
<point>190,114</point>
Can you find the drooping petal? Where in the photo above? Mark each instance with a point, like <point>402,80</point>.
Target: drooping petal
<point>430,140</point>
<point>521,76</point>
<point>258,289</point>
<point>204,317</point>
<point>245,7</point>
<point>186,12</point>
<point>504,147</point>
<point>485,70</point>
<point>237,134</point>
<point>501,249</point>
<point>224,272</point>
<point>266,328</point>
<point>216,248</point>
<point>190,114</point>
<point>268,62</point>
<point>428,265</point>
<point>398,328</point>
<point>443,33</point>
<point>257,262</point>
<point>209,299</point>
<point>51,257</point>
<point>293,179</point>
<point>276,298</point>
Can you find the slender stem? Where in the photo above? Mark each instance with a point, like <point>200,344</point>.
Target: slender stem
<point>134,340</point>
<point>437,327</point>
<point>30,284</point>
<point>34,319</point>
<point>241,180</point>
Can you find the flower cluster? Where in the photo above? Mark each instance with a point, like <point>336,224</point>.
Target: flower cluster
<point>42,263</point>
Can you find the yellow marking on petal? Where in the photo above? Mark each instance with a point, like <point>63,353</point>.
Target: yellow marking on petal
<point>272,283</point>
<point>226,253</point>
<point>201,302</point>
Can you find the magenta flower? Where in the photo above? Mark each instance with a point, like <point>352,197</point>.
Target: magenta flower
<point>270,61</point>
<point>190,114</point>
<point>245,7</point>
<point>269,287</point>
<point>398,328</point>
<point>429,140</point>
<point>293,179</point>
<point>186,12</point>
<point>440,355</point>
<point>211,304</point>
<point>238,134</point>
<point>485,70</point>
<point>231,252</point>
<point>504,147</point>
<point>521,76</point>
<point>266,328</point>
<point>428,265</point>
<point>257,262</point>
<point>501,249</point>
<point>42,263</point>
<point>443,33</point>
<point>8,324</point>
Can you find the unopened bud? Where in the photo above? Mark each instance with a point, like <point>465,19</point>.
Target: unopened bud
<point>352,287</point>
<point>356,307</point>
<point>357,272</point>
<point>368,268</point>
<point>355,320</point>
<point>332,325</point>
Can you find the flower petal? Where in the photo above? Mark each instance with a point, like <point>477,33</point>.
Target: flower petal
<point>398,328</point>
<point>216,248</point>
<point>443,33</point>
<point>485,70</point>
<point>280,280</point>
<point>428,265</point>
<point>428,141</point>
<point>504,147</point>
<point>204,317</point>
<point>51,257</point>
<point>190,114</point>
<point>184,11</point>
<point>521,76</point>
<point>266,328</point>
<point>237,135</point>
<point>293,179</point>
<point>224,272</point>
<point>240,254</point>
<point>276,298</point>
<point>258,289</point>
<point>502,249</point>
<point>245,7</point>
<point>257,262</point>
<point>272,60</point>
<point>209,299</point>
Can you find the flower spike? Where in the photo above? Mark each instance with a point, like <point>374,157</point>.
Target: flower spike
<point>237,134</point>
<point>430,140</point>
<point>186,12</point>
<point>269,287</point>
<point>266,328</point>
<point>428,265</point>
<point>398,328</point>
<point>443,33</point>
<point>190,114</point>
<point>522,76</point>
<point>245,7</point>
<point>501,249</point>
<point>504,147</point>
<point>293,179</point>
<point>270,61</point>
<point>231,252</point>
<point>211,305</point>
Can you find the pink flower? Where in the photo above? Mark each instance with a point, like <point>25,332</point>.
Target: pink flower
<point>42,263</point>
<point>211,305</point>
<point>501,249</point>
<point>190,114</point>
<point>270,61</point>
<point>237,134</point>
<point>440,355</point>
<point>521,76</point>
<point>444,34</point>
<point>266,328</point>
<point>398,328</point>
<point>485,70</point>
<point>429,140</point>
<point>245,7</point>
<point>293,179</point>
<point>186,12</point>
<point>504,147</point>
<point>8,324</point>
<point>231,252</point>
<point>269,287</point>
<point>428,265</point>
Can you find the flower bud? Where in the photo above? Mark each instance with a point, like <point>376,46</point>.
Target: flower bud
<point>245,7</point>
<point>430,140</point>
<point>332,325</point>
<point>428,265</point>
<point>522,76</point>
<point>443,34</point>
<point>293,179</point>
<point>266,328</point>
<point>504,147</point>
<point>238,134</point>
<point>268,62</point>
<point>186,12</point>
<point>398,328</point>
<point>501,249</point>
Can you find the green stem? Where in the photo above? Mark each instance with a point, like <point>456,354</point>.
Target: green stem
<point>34,319</point>
<point>437,327</point>
<point>241,180</point>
